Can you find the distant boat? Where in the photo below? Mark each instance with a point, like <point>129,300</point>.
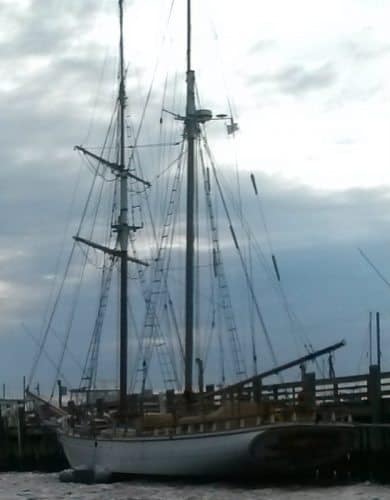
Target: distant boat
<point>214,432</point>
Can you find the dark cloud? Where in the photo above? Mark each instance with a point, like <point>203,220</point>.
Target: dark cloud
<point>365,50</point>
<point>262,46</point>
<point>297,79</point>
<point>46,27</point>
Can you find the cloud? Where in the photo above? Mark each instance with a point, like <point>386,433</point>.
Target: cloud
<point>366,49</point>
<point>297,79</point>
<point>262,46</point>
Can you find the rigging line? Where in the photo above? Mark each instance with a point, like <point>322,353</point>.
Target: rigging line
<point>238,182</point>
<point>93,262</point>
<point>373,266</point>
<point>78,289</point>
<point>162,136</point>
<point>251,314</point>
<point>196,278</point>
<point>262,214</point>
<point>150,212</point>
<point>271,250</point>
<point>222,64</point>
<point>46,332</point>
<point>69,326</point>
<point>176,327</point>
<point>210,336</point>
<point>294,320</point>
<point>62,247</point>
<point>170,244</point>
<point>113,212</point>
<point>84,213</point>
<point>109,134</point>
<point>249,233</point>
<point>238,360</point>
<point>222,357</point>
<point>153,309</point>
<point>243,265</point>
<point>149,209</point>
<point>72,356</point>
<point>56,302</point>
<point>170,165</point>
<point>91,364</point>
<point>148,203</point>
<point>94,107</point>
<point>277,286</point>
<point>48,326</point>
<point>48,357</point>
<point>149,93</point>
<point>163,253</point>
<point>92,168</point>
<point>292,316</point>
<point>149,343</point>
<point>211,303</point>
<point>212,310</point>
<point>138,339</point>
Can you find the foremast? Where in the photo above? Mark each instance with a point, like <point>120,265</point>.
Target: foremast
<point>122,226</point>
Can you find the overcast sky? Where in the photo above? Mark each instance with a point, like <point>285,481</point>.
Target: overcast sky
<point>308,83</point>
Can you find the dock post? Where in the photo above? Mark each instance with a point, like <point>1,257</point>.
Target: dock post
<point>374,393</point>
<point>257,390</point>
<point>378,341</point>
<point>59,383</point>
<point>375,400</point>
<point>20,432</point>
<point>309,388</point>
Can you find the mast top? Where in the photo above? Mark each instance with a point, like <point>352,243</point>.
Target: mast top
<point>188,36</point>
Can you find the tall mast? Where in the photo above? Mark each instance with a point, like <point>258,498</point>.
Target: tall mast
<point>123,227</point>
<point>190,133</point>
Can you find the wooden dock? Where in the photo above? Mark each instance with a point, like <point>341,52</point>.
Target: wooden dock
<point>25,442</point>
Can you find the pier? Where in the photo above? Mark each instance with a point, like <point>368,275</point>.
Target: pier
<point>26,442</point>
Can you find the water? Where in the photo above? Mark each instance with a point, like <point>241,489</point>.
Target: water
<point>33,486</point>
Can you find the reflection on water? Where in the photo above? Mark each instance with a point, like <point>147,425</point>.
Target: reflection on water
<point>30,486</point>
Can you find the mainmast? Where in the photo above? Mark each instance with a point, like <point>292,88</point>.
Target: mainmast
<point>123,227</point>
<point>191,128</point>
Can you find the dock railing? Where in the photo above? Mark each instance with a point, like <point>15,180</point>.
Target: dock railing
<point>362,395</point>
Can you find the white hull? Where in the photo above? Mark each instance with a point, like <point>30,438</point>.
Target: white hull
<point>190,455</point>
<point>209,454</point>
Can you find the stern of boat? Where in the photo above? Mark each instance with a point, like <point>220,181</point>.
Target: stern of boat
<point>294,449</point>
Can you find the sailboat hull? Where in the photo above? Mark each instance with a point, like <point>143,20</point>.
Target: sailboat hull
<point>255,451</point>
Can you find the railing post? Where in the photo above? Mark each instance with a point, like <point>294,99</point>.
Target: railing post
<point>170,401</point>
<point>309,389</point>
<point>374,393</point>
<point>257,390</point>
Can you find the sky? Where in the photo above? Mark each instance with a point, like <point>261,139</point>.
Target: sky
<point>308,83</point>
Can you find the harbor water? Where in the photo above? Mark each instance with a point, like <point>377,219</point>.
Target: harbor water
<point>34,486</point>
